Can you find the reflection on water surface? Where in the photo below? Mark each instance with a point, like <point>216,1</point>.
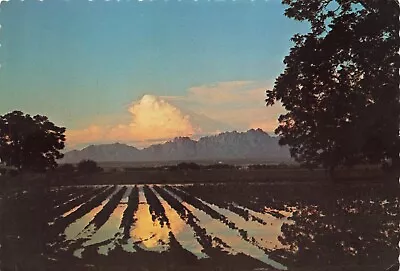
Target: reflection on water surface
<point>149,233</point>
<point>152,234</point>
<point>274,227</point>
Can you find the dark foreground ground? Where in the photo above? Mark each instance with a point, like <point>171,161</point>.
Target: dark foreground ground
<point>350,225</point>
<point>117,176</point>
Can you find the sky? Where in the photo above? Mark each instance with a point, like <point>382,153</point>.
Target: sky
<point>140,72</point>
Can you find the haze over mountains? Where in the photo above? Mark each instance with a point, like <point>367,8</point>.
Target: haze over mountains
<point>252,145</point>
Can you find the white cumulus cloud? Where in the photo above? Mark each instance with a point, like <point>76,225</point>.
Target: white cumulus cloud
<point>151,118</point>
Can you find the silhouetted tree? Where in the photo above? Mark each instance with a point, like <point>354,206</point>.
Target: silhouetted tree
<point>353,226</point>
<point>88,166</point>
<point>340,84</point>
<point>31,143</point>
<point>66,168</point>
<point>186,166</point>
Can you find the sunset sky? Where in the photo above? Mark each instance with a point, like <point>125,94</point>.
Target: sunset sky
<point>143,72</point>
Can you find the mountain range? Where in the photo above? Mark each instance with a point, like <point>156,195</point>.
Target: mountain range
<point>250,145</point>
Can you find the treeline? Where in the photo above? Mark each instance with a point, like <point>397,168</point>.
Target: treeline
<point>194,166</point>
<point>183,166</point>
<point>84,166</point>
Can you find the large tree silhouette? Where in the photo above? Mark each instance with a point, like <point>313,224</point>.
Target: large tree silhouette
<point>30,143</point>
<point>340,85</point>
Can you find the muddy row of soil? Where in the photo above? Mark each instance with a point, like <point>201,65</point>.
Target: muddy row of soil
<point>128,218</point>
<point>199,204</point>
<point>231,225</point>
<point>71,200</point>
<point>156,209</point>
<point>106,208</point>
<point>83,206</point>
<point>330,225</point>
<point>212,245</point>
<point>156,198</point>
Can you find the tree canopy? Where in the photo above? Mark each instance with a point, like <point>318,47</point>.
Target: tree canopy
<point>340,86</point>
<point>30,143</point>
<point>88,166</point>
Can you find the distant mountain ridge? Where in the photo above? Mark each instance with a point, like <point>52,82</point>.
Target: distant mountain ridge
<point>253,144</point>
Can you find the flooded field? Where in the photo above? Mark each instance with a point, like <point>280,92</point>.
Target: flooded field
<point>201,227</point>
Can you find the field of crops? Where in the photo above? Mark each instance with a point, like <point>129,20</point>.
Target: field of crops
<point>173,227</point>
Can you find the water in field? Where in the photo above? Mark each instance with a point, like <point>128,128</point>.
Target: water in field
<point>263,224</point>
<point>150,233</point>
